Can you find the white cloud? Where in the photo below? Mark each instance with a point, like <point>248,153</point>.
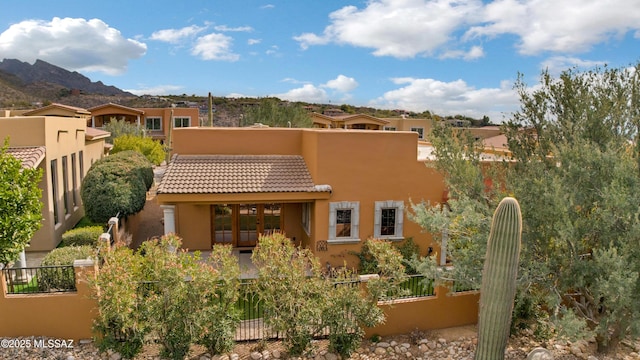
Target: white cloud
<point>562,26</point>
<point>268,6</point>
<point>440,28</point>
<point>450,98</point>
<point>254,41</point>
<point>557,64</point>
<point>156,90</point>
<point>474,53</point>
<point>398,28</point>
<point>307,93</point>
<point>342,84</point>
<point>72,43</point>
<point>175,36</point>
<point>214,47</point>
<point>233,29</point>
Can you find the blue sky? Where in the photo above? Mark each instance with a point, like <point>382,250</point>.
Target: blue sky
<point>446,56</point>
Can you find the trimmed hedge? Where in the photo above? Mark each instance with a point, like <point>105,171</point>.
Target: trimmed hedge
<point>116,184</point>
<point>82,236</point>
<point>62,278</point>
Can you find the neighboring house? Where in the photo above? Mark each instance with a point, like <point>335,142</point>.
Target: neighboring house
<point>355,121</point>
<point>64,149</point>
<point>328,190</point>
<point>156,121</point>
<point>366,122</point>
<point>420,126</point>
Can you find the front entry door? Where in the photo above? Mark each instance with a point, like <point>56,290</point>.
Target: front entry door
<point>241,224</point>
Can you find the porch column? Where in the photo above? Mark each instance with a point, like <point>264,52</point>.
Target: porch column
<point>138,121</point>
<point>93,121</point>
<point>169,218</point>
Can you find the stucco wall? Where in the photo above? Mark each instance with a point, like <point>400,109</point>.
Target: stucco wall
<point>61,316</point>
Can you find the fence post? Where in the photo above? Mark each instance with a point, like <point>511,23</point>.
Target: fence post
<point>114,226</point>
<point>106,239</point>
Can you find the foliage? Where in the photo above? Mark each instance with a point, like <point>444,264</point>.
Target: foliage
<point>168,294</point>
<point>116,184</point>
<point>82,236</point>
<point>134,161</point>
<point>218,287</point>
<point>172,301</point>
<point>119,128</point>
<point>120,324</point>
<point>151,149</point>
<point>62,278</point>
<point>575,170</point>
<point>272,112</point>
<point>410,251</point>
<point>292,289</point>
<point>346,311</point>
<point>20,205</point>
<point>390,270</point>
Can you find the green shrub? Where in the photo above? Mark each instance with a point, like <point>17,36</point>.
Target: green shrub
<point>151,149</point>
<point>134,161</point>
<point>82,236</point>
<point>114,186</point>
<point>62,278</point>
<point>410,252</point>
<point>120,323</point>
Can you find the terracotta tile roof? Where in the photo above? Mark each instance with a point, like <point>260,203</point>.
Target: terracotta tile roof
<point>211,174</point>
<point>30,156</point>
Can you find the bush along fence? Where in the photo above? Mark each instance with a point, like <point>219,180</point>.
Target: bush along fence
<point>170,297</point>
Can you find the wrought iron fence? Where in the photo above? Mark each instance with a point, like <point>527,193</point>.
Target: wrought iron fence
<point>42,279</point>
<point>416,286</point>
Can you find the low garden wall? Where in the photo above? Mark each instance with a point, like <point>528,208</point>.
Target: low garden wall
<point>67,315</point>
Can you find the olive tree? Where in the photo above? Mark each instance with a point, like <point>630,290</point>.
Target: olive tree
<point>574,167</point>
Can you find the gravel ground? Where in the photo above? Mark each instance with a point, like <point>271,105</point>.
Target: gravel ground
<point>451,344</point>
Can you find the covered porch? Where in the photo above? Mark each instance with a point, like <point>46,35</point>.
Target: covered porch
<point>233,199</point>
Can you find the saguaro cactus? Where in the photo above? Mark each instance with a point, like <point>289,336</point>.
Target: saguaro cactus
<point>499,280</point>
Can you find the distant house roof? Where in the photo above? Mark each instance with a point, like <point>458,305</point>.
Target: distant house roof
<point>54,108</point>
<point>110,107</point>
<point>226,174</point>
<point>95,134</point>
<point>29,156</point>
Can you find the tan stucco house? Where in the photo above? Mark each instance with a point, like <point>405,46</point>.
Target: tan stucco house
<point>64,149</point>
<point>328,190</point>
<point>156,121</point>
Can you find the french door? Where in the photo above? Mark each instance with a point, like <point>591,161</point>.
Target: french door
<point>240,225</point>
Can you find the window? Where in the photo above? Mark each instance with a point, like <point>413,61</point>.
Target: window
<point>420,132</point>
<point>389,128</point>
<point>81,163</point>
<point>179,122</point>
<point>153,123</point>
<point>74,181</point>
<point>344,221</point>
<point>389,219</point>
<point>54,188</point>
<point>65,185</point>
<point>306,217</point>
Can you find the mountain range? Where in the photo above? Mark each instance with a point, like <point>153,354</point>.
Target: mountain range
<point>23,84</point>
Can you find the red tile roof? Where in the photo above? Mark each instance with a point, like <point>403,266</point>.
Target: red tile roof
<point>30,156</point>
<point>211,174</point>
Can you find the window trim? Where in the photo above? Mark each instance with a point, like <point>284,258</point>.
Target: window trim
<point>354,206</point>
<point>399,221</point>
<point>420,133</point>
<point>146,119</point>
<point>390,128</point>
<point>182,118</point>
